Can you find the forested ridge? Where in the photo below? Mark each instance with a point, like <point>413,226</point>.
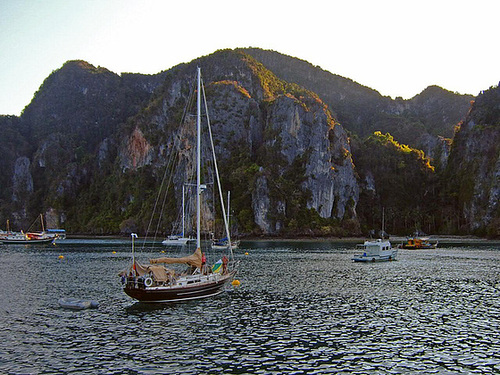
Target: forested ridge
<point>304,152</point>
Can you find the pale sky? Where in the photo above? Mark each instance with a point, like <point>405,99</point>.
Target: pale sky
<point>396,47</point>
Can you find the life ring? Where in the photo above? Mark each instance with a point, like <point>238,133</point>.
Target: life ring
<point>148,281</point>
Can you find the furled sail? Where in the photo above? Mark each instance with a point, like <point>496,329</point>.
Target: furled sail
<point>192,260</point>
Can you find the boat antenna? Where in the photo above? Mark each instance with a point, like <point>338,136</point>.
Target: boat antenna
<point>383,234</point>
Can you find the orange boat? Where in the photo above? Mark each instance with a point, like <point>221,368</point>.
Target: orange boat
<point>417,243</point>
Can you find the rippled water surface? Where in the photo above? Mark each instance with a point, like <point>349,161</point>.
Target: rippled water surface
<point>302,308</point>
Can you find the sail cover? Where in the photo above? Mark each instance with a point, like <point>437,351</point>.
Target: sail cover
<point>160,273</point>
<point>192,260</point>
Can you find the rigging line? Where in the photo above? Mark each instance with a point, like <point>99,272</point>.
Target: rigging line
<point>190,101</point>
<point>226,224</point>
<point>155,205</point>
<point>163,203</point>
<point>168,167</point>
<point>34,221</point>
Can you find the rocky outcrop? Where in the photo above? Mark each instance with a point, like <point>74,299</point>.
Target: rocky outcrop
<point>22,180</point>
<point>474,165</point>
<point>136,151</point>
<point>329,171</point>
<point>261,204</point>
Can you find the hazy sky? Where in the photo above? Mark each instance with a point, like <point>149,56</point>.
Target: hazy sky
<point>397,47</point>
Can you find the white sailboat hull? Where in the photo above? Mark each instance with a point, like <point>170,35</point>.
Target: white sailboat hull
<point>181,241</point>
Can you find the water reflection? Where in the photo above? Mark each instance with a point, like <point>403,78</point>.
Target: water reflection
<point>301,308</point>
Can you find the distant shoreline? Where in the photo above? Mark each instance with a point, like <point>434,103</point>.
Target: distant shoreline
<point>394,239</point>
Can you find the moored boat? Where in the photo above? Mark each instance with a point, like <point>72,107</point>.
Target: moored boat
<point>418,243</point>
<point>179,239</point>
<point>28,238</point>
<point>59,234</point>
<point>155,282</point>
<point>378,250</point>
<point>223,243</point>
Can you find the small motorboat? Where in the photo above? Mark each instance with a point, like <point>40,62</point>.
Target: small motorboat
<point>376,251</point>
<point>77,304</point>
<point>417,243</point>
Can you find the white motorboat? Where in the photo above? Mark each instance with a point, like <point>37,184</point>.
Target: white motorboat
<point>376,251</point>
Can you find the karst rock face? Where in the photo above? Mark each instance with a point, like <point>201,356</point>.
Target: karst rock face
<point>90,149</point>
<point>474,165</point>
<point>276,127</point>
<point>310,133</point>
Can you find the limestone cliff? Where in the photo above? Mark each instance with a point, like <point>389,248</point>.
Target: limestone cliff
<point>418,122</point>
<point>296,147</point>
<point>474,166</point>
<point>278,125</point>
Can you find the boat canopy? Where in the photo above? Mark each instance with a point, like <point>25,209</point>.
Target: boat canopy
<point>56,231</point>
<point>159,272</point>
<point>192,260</point>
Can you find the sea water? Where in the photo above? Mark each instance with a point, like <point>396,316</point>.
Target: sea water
<point>301,308</point>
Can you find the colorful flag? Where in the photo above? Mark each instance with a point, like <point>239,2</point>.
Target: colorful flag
<point>216,268</point>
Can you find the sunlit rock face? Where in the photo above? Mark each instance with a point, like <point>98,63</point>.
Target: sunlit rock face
<point>289,129</point>
<point>136,152</point>
<point>308,130</point>
<point>291,137</point>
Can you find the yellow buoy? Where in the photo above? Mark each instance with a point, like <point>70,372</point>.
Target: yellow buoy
<point>163,251</point>
<point>61,256</point>
<point>114,252</point>
<point>236,282</point>
<point>246,253</point>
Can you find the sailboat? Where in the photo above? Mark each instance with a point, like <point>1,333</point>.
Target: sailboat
<point>179,239</point>
<point>28,238</point>
<point>225,243</point>
<point>154,282</point>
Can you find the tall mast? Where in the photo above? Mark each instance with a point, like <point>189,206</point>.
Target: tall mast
<point>198,162</point>
<point>183,210</point>
<point>225,217</point>
<point>228,200</point>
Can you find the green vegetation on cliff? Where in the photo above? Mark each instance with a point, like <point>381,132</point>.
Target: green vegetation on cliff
<point>92,144</point>
<point>399,179</point>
